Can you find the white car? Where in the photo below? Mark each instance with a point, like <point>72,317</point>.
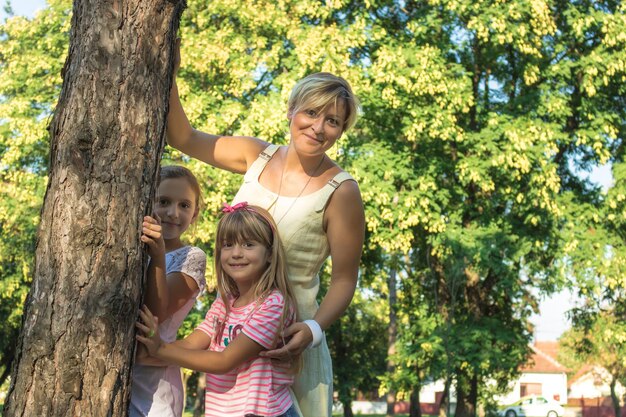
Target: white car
<point>533,406</point>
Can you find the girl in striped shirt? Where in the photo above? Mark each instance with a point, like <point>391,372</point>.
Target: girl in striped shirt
<point>254,306</point>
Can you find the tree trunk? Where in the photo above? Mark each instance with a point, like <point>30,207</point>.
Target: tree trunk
<point>347,408</point>
<point>466,401</point>
<point>75,351</point>
<point>415,410</point>
<point>473,397</point>
<point>616,407</point>
<point>198,406</point>
<point>461,396</point>
<point>444,403</point>
<point>392,335</point>
<point>461,404</point>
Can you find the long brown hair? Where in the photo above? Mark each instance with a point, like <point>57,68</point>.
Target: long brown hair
<point>254,223</point>
<point>177,171</point>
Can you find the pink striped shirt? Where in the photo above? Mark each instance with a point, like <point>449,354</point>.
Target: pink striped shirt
<point>259,386</point>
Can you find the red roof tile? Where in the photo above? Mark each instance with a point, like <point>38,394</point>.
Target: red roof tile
<point>543,359</point>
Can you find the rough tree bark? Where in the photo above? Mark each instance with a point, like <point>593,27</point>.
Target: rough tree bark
<point>415,408</point>
<point>75,351</point>
<point>617,409</point>
<point>466,394</point>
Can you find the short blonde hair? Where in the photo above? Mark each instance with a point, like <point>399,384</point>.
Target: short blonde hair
<point>317,91</point>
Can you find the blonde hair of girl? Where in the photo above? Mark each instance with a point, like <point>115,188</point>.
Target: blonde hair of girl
<point>242,224</point>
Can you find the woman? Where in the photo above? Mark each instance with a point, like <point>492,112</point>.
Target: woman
<point>317,207</point>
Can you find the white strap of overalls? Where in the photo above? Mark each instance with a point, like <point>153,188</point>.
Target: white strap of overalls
<point>330,188</point>
<point>259,164</point>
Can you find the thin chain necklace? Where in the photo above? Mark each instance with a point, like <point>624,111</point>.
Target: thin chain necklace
<point>280,186</point>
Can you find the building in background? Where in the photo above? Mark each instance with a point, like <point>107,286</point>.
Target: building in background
<point>542,375</point>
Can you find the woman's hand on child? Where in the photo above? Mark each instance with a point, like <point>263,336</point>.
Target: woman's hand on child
<point>150,329</point>
<point>153,236</point>
<point>301,338</point>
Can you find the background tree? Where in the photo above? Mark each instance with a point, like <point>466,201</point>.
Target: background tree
<point>595,125</point>
<point>32,53</point>
<point>75,348</point>
<point>358,338</point>
<point>479,118</point>
<point>472,181</point>
<point>599,341</point>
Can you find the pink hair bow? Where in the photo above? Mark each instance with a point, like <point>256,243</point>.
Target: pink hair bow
<point>229,209</point>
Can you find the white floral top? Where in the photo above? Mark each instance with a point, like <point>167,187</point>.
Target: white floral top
<point>191,261</point>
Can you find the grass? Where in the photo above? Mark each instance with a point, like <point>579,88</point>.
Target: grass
<point>190,414</point>
<point>373,415</point>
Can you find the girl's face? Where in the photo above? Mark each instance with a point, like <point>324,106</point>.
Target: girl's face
<point>176,206</point>
<point>244,261</point>
<point>314,132</point>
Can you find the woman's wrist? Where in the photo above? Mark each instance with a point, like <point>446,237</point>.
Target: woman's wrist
<point>316,331</point>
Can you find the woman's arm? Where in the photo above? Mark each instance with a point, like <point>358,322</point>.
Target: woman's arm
<point>345,231</point>
<point>191,354</point>
<point>234,153</point>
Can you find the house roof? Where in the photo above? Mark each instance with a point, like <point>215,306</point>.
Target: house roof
<point>543,359</point>
<point>583,371</point>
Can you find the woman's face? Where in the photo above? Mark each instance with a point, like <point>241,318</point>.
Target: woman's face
<point>313,132</point>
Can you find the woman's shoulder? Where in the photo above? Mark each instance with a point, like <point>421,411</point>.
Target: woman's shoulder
<point>253,147</point>
<point>346,187</point>
<point>346,201</point>
<point>334,172</point>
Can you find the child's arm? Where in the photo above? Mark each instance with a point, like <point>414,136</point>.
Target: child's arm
<point>196,340</point>
<point>165,294</point>
<point>156,296</point>
<point>191,354</point>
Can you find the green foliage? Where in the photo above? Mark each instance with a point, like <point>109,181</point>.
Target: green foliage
<point>32,53</point>
<point>508,112</point>
<point>358,337</point>
<point>600,341</point>
<point>419,346</point>
<point>478,118</point>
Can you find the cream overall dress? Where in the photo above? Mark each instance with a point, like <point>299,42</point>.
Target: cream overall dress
<point>300,225</point>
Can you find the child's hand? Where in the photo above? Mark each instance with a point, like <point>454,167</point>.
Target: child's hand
<point>153,237</point>
<point>141,352</point>
<point>150,329</point>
